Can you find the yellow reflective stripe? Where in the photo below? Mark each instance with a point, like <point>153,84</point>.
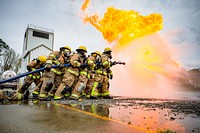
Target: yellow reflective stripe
<point>93,93</point>
<point>55,71</point>
<point>90,62</point>
<point>105,73</point>
<point>34,77</point>
<point>105,63</point>
<point>56,62</point>
<point>73,72</point>
<point>49,61</point>
<point>75,95</point>
<point>106,94</point>
<point>98,71</point>
<point>84,73</point>
<point>78,64</point>
<point>52,55</point>
<point>35,92</point>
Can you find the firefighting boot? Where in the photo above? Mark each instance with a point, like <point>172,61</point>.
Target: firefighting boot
<point>35,94</point>
<point>26,95</point>
<point>78,89</point>
<point>47,85</point>
<point>58,94</point>
<point>36,91</point>
<point>52,92</point>
<point>107,97</point>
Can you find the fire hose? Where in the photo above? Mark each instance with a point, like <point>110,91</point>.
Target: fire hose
<point>27,73</point>
<point>41,69</point>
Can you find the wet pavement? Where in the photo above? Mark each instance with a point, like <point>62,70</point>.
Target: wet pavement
<point>48,117</point>
<point>181,116</point>
<point>102,115</point>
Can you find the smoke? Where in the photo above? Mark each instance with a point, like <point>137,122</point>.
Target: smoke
<point>150,70</point>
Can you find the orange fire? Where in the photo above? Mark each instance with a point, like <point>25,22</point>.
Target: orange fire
<point>135,41</point>
<point>85,5</point>
<point>123,25</point>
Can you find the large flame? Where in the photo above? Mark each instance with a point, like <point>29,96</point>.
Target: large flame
<point>149,63</point>
<point>125,26</point>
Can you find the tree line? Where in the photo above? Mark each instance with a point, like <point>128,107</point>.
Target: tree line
<point>9,59</point>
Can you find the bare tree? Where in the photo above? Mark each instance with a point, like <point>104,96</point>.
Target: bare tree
<point>9,59</point>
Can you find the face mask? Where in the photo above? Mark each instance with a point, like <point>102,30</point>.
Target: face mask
<point>110,56</point>
<point>83,53</point>
<point>98,58</point>
<point>38,61</point>
<point>66,53</point>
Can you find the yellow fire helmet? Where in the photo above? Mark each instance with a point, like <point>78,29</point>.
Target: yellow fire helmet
<point>96,52</point>
<point>82,48</point>
<point>107,49</point>
<point>66,47</point>
<point>42,58</point>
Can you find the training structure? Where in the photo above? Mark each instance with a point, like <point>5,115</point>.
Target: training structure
<point>37,41</point>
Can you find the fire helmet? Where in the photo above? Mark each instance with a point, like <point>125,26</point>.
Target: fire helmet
<point>66,47</point>
<point>107,49</point>
<point>82,48</point>
<point>42,58</point>
<point>96,52</point>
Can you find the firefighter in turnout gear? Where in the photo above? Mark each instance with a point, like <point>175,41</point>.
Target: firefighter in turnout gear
<point>53,76</point>
<point>80,86</point>
<point>71,75</point>
<point>33,65</point>
<point>95,72</point>
<point>106,72</point>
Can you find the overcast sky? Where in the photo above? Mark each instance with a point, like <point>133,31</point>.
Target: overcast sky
<point>180,16</point>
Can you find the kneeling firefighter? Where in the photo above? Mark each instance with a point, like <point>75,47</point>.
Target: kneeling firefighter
<point>33,65</point>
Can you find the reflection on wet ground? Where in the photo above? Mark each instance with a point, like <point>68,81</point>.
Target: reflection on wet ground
<point>151,114</point>
<point>176,115</point>
<point>46,117</point>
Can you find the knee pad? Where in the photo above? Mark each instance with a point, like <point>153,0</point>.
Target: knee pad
<point>81,87</point>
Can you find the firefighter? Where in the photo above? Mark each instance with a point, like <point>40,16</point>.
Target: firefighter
<point>106,73</point>
<point>53,76</point>
<point>95,72</point>
<point>33,65</point>
<point>71,74</point>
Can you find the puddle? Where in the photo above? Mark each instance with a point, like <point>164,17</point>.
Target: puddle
<point>150,114</point>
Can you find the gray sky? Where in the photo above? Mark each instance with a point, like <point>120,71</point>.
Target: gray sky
<point>181,16</point>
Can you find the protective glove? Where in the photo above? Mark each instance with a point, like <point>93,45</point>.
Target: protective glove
<point>83,65</point>
<point>61,65</point>
<point>47,67</point>
<point>29,68</point>
<point>111,76</point>
<point>113,63</point>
